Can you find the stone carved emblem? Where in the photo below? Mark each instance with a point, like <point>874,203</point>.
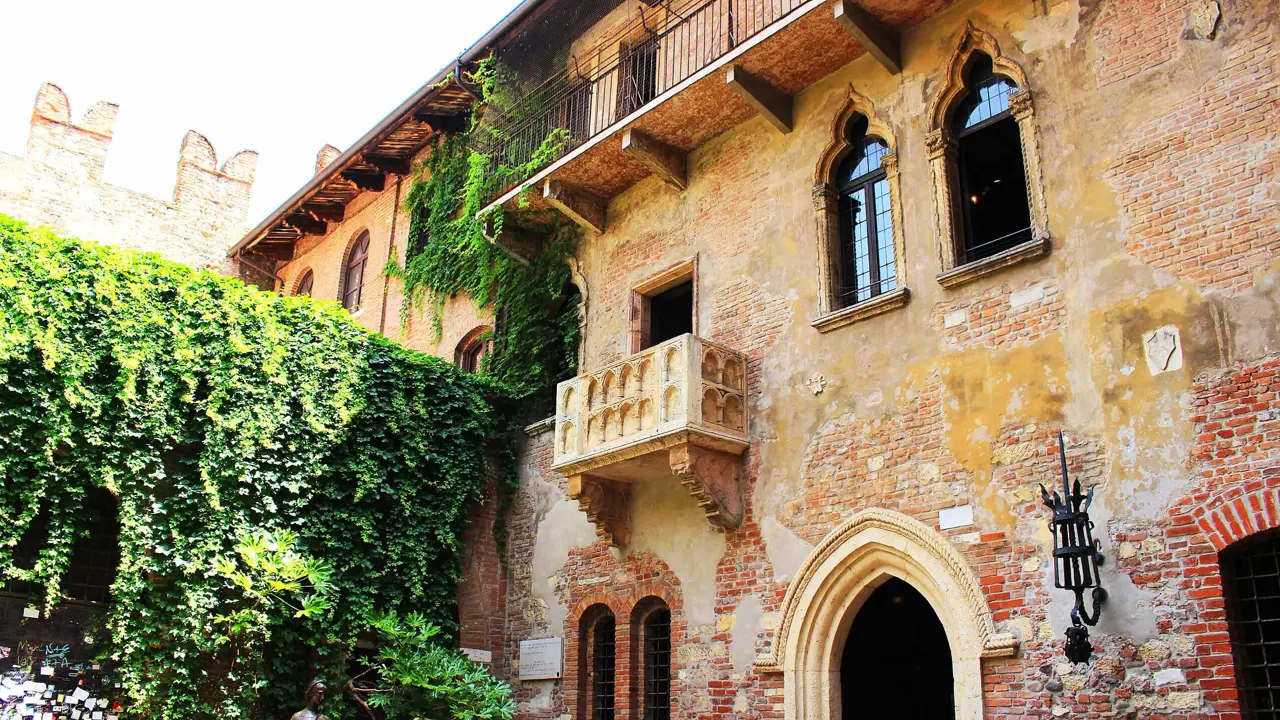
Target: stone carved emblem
<point>1163,349</point>
<point>1204,18</point>
<point>816,383</point>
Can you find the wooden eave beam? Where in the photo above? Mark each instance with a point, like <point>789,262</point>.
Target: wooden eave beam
<point>585,209</point>
<point>388,164</point>
<point>773,104</point>
<point>442,123</point>
<point>366,179</point>
<point>325,211</point>
<point>520,246</point>
<point>882,41</point>
<point>306,224</point>
<point>668,162</point>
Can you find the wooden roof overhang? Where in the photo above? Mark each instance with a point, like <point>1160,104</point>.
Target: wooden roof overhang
<point>388,149</point>
<point>442,105</point>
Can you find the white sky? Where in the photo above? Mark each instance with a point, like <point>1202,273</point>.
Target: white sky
<point>282,78</point>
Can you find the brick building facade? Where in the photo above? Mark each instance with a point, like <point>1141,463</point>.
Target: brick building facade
<point>844,430</point>
<point>59,183</point>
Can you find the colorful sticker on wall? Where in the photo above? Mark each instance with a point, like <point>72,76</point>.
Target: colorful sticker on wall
<point>5,653</point>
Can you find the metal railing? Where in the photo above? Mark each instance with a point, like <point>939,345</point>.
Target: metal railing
<point>622,76</point>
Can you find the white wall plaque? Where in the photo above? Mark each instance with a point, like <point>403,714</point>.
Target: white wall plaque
<point>541,659</point>
<point>955,517</point>
<point>477,655</point>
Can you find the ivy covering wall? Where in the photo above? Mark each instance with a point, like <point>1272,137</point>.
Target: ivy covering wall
<point>214,412</point>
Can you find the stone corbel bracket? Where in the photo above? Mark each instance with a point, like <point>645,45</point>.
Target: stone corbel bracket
<point>709,468</point>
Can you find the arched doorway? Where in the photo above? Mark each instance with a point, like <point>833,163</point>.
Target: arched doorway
<point>838,579</point>
<point>896,663</point>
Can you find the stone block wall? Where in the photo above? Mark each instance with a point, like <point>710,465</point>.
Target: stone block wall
<point>59,182</point>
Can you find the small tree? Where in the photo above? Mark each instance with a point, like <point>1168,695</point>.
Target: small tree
<point>267,581</point>
<point>415,677</point>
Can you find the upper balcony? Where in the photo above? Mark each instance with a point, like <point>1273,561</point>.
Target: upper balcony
<point>677,408</point>
<point>684,73</point>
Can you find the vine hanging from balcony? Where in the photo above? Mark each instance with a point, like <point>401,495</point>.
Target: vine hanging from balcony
<point>535,340</point>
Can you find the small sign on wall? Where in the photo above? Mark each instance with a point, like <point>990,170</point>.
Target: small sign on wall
<point>542,659</point>
<point>477,655</point>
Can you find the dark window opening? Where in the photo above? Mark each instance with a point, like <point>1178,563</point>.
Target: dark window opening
<point>95,557</point>
<point>993,186</point>
<point>471,356</point>
<point>670,313</point>
<point>304,286</point>
<point>867,266</point>
<point>1251,583</point>
<point>657,665</point>
<point>638,76</point>
<point>896,661</point>
<point>353,274</point>
<point>603,663</point>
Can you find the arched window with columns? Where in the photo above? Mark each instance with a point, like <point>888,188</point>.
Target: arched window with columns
<point>859,220</point>
<point>985,159</point>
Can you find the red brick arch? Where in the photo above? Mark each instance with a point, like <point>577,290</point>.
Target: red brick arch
<point>621,599</point>
<point>1239,514</point>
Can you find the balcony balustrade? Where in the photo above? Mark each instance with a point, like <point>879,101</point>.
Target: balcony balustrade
<point>676,409</point>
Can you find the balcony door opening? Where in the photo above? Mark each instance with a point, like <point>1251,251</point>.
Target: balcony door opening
<point>665,306</point>
<point>897,662</point>
<point>638,68</point>
<point>671,313</point>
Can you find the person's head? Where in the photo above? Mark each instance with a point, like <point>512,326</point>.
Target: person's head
<point>315,693</point>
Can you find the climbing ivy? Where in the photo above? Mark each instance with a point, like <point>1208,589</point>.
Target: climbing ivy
<point>535,340</point>
<point>216,414</point>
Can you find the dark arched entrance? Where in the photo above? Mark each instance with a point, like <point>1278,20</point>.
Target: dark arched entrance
<point>896,663</point>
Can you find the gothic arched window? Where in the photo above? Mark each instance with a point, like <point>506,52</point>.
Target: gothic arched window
<point>985,160</point>
<point>859,219</point>
<point>993,186</point>
<point>867,265</point>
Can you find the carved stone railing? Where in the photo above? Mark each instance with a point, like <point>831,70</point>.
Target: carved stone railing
<point>678,408</point>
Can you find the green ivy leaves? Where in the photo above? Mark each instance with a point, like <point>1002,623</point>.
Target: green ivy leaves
<point>242,434</point>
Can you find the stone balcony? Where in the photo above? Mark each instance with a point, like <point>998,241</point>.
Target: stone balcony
<point>676,409</point>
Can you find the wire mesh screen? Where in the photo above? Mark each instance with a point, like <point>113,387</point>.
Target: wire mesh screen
<point>582,70</point>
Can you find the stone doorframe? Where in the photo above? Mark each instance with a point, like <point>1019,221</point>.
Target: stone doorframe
<point>839,575</point>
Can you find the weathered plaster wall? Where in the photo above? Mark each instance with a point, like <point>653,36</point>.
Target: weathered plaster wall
<point>59,183</point>
<point>1159,155</point>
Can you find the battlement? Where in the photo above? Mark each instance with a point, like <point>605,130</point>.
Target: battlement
<point>60,183</point>
<point>80,151</point>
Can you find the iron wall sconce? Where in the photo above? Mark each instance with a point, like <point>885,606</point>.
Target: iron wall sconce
<point>1076,557</point>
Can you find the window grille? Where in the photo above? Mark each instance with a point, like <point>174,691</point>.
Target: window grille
<point>1251,581</point>
<point>867,265</point>
<point>603,663</point>
<point>657,665</point>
